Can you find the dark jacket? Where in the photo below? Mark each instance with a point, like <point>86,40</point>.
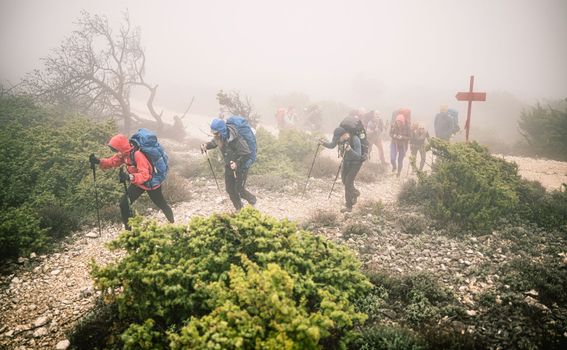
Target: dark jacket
<point>443,126</point>
<point>354,154</point>
<point>234,148</point>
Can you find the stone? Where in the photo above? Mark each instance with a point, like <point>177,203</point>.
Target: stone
<point>91,235</point>
<point>40,321</point>
<point>55,272</point>
<point>9,334</point>
<point>471,312</point>
<point>40,332</point>
<point>22,260</point>
<point>33,255</point>
<point>63,345</point>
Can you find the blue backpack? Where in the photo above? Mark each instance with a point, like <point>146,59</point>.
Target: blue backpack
<point>146,141</point>
<point>454,114</point>
<point>245,130</point>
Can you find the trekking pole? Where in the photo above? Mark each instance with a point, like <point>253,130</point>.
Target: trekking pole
<point>126,194</point>
<point>93,167</point>
<point>311,169</point>
<point>336,177</point>
<point>212,171</point>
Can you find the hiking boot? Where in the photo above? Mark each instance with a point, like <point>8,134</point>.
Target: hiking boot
<point>251,199</point>
<point>355,197</point>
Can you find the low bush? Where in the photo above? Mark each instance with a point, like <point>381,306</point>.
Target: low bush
<point>388,338</point>
<point>357,228</point>
<point>470,187</point>
<point>322,218</point>
<point>374,208</point>
<point>46,184</point>
<point>370,172</point>
<point>232,281</point>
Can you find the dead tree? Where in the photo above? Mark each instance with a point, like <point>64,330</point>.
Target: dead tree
<point>94,71</point>
<point>235,105</point>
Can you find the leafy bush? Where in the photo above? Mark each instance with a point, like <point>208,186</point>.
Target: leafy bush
<point>545,130</point>
<point>228,281</point>
<point>470,187</point>
<point>388,338</point>
<point>45,178</point>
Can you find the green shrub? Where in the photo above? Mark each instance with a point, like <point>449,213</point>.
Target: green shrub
<point>545,130</point>
<point>232,280</point>
<point>388,338</point>
<point>46,171</point>
<point>20,232</point>
<point>375,208</point>
<point>470,187</point>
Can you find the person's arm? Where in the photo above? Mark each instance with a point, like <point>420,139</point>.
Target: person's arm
<point>354,152</point>
<point>331,144</point>
<point>143,167</point>
<point>111,162</point>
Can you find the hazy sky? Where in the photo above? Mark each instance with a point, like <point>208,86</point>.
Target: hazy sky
<point>326,49</point>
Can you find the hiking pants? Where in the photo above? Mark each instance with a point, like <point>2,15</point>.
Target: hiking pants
<point>134,192</point>
<point>422,154</point>
<point>348,174</point>
<point>235,184</point>
<point>397,153</point>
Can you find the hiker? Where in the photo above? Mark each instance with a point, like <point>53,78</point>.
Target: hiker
<point>417,143</point>
<point>444,125</point>
<point>237,144</point>
<point>350,149</point>
<point>140,172</point>
<point>375,128</point>
<point>314,119</point>
<point>400,135</point>
<point>280,118</point>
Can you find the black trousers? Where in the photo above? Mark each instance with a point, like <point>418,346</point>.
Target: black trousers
<point>235,184</point>
<point>134,192</point>
<point>348,174</point>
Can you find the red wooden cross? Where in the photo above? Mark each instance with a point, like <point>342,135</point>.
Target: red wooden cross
<point>470,96</point>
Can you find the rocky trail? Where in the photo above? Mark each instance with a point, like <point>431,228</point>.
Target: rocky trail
<point>42,296</point>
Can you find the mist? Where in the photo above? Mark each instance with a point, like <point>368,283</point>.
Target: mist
<point>374,54</point>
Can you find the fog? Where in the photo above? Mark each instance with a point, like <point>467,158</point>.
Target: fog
<point>376,54</point>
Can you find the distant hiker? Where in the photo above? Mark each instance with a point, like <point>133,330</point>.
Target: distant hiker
<point>375,129</point>
<point>400,135</point>
<point>237,144</point>
<point>314,119</point>
<point>444,125</point>
<point>146,166</point>
<point>350,149</point>
<point>417,143</point>
<point>281,118</point>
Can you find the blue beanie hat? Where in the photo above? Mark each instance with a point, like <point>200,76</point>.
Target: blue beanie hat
<point>218,125</point>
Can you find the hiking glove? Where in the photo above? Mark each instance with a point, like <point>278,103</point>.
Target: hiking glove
<point>123,176</point>
<point>93,159</point>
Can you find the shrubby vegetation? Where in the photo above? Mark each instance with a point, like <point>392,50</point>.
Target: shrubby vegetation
<point>545,130</point>
<point>46,185</point>
<point>232,281</point>
<point>470,187</point>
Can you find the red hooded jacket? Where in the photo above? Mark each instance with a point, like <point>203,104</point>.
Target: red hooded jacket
<point>141,172</point>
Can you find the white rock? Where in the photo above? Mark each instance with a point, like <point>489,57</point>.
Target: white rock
<point>471,312</point>
<point>40,332</point>
<point>40,321</point>
<point>9,334</point>
<point>63,345</point>
<point>55,272</point>
<point>22,260</point>
<point>91,235</point>
<point>33,255</point>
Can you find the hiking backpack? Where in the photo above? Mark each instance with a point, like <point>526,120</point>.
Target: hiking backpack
<point>354,126</point>
<point>146,142</point>
<point>245,130</point>
<point>454,114</point>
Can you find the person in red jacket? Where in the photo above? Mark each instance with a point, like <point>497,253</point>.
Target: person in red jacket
<point>137,174</point>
